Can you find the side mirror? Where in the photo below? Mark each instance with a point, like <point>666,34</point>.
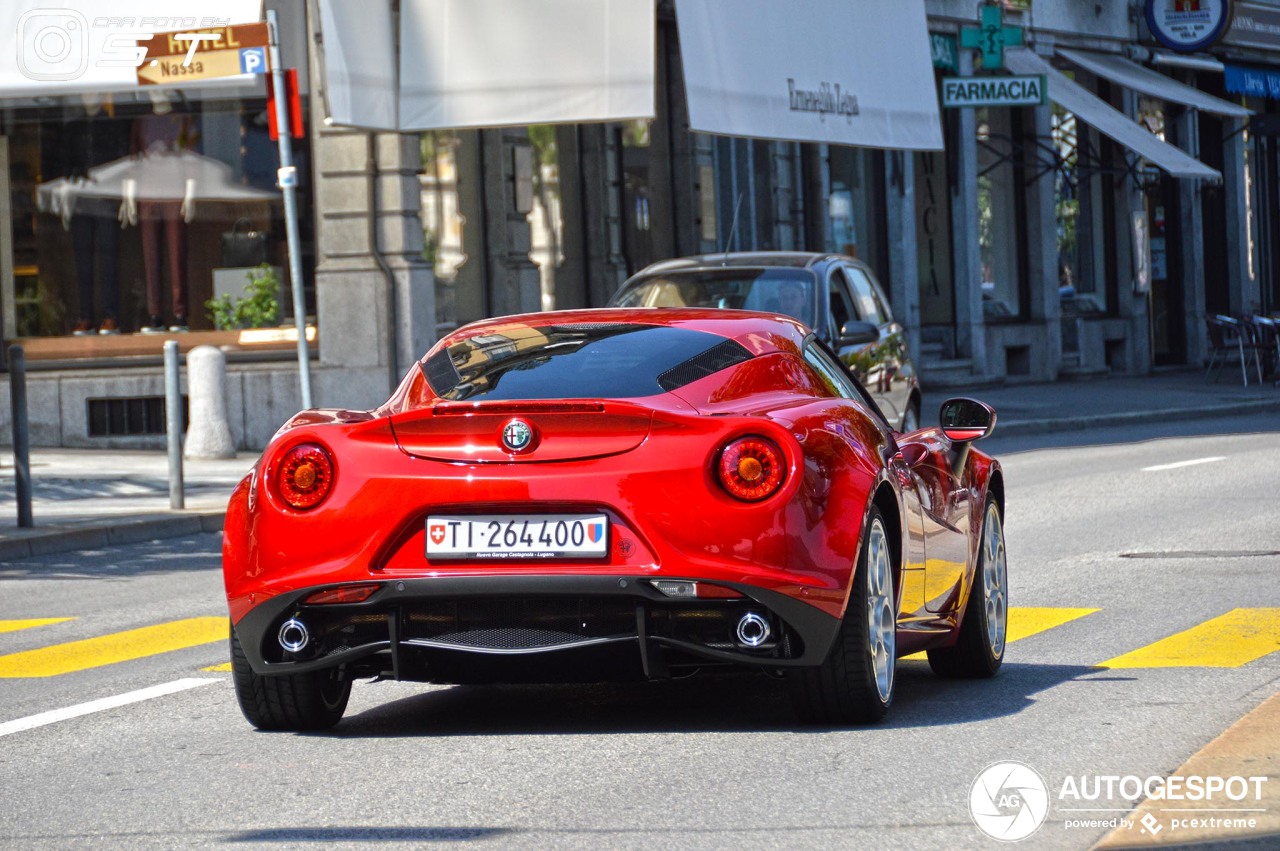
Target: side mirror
<point>966,420</point>
<point>858,333</point>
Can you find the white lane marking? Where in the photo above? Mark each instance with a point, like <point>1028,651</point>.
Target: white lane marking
<point>1178,464</point>
<point>56,715</point>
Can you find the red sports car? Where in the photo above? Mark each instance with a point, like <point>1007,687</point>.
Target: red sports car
<point>611,494</point>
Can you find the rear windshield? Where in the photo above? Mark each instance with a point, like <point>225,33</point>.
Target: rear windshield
<point>581,361</point>
<point>776,290</point>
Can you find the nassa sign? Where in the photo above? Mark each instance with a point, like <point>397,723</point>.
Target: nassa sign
<point>1031,90</point>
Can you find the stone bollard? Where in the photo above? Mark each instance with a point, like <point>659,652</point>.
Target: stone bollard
<point>208,431</point>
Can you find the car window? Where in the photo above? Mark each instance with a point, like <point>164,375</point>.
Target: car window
<point>772,290</point>
<point>836,377</point>
<point>841,308</point>
<point>878,293</point>
<point>589,360</point>
<point>871,307</point>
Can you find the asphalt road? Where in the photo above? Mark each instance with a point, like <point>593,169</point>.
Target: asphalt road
<point>707,763</point>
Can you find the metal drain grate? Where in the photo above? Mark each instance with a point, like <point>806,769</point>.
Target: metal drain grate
<point>128,416</point>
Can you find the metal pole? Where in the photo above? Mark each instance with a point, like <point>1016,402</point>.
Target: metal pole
<point>173,422</point>
<point>21,439</point>
<point>287,178</point>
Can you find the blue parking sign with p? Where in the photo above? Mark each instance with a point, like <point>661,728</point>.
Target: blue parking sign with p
<point>253,60</point>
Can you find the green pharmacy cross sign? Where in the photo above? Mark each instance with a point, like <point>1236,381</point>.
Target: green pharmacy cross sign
<point>991,36</point>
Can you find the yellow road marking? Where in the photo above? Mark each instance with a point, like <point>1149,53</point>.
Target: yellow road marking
<point>14,626</point>
<point>1026,621</point>
<point>110,649</point>
<point>1234,639</point>
<point>225,666</point>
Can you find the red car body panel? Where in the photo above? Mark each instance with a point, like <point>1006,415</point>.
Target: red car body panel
<point>648,464</point>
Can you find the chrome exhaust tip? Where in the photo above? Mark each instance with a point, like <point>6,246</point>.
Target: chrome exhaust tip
<point>753,630</point>
<point>294,635</point>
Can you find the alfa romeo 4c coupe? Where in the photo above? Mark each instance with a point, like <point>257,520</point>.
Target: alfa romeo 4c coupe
<point>616,494</point>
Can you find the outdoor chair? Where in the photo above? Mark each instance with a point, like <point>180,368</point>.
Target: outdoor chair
<point>1230,338</point>
<point>1266,336</point>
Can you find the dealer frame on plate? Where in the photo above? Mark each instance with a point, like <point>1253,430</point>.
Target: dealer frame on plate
<point>503,536</point>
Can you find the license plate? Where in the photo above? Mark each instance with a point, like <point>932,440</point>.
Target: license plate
<point>499,536</point>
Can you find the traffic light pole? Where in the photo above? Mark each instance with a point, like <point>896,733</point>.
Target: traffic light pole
<point>287,179</point>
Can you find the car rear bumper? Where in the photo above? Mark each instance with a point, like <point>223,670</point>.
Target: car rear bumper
<point>531,628</point>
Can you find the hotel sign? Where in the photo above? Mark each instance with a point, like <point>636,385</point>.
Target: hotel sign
<point>183,56</point>
<point>1031,90</point>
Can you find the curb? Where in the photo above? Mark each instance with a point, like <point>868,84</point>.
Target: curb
<point>1250,747</point>
<point>52,540</point>
<point>1082,423</point>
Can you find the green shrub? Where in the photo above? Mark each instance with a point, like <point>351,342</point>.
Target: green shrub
<point>260,308</point>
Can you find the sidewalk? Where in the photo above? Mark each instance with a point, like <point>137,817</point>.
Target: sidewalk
<point>87,498</point>
<point>1075,405</point>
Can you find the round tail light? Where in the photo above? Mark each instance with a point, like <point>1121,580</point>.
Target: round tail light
<point>305,476</point>
<point>752,468</point>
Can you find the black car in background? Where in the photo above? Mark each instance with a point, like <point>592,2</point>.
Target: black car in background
<point>837,296</point>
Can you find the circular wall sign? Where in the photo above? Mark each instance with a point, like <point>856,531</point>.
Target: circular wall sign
<point>1189,25</point>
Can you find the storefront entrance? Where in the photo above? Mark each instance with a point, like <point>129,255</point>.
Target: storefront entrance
<point>1168,328</point>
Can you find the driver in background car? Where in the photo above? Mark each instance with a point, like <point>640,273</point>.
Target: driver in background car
<point>792,300</point>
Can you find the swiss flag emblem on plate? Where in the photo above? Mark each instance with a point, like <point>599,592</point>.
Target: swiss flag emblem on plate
<point>437,533</point>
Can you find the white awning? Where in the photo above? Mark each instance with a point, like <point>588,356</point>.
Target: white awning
<point>1107,120</point>
<point>91,46</point>
<point>820,71</point>
<point>358,58</point>
<point>1133,76</point>
<point>493,63</point>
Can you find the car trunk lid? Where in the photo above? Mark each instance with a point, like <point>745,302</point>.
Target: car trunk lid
<point>522,431</point>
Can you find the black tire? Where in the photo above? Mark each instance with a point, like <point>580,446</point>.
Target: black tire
<point>979,650</point>
<point>298,702</point>
<point>911,419</point>
<point>845,688</point>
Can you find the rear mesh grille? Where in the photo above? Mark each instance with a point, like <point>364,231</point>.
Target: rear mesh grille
<point>711,361</point>
<point>510,639</point>
<point>535,619</point>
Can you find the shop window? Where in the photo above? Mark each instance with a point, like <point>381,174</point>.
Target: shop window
<point>856,205</point>
<point>443,219</point>
<point>1084,222</point>
<point>131,213</point>
<point>638,195</point>
<point>1001,213</point>
<point>741,192</point>
<point>546,218</point>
